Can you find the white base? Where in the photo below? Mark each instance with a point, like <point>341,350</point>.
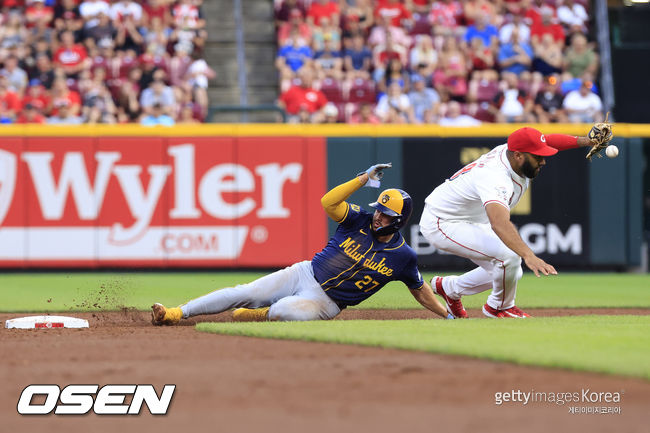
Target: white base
<point>46,322</point>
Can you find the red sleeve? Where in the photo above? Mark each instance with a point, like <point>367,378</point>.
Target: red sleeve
<point>406,14</point>
<point>82,52</point>
<point>562,141</point>
<point>56,55</point>
<point>74,98</point>
<point>559,33</point>
<point>14,102</point>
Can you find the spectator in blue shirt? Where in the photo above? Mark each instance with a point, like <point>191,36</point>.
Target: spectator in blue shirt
<point>425,100</point>
<point>358,59</point>
<point>570,84</point>
<point>328,61</point>
<point>481,29</point>
<point>515,56</point>
<point>292,57</point>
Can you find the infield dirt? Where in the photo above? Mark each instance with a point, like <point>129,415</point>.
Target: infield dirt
<point>240,384</point>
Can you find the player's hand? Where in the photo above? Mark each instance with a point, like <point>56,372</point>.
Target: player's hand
<point>376,172</point>
<point>539,266</point>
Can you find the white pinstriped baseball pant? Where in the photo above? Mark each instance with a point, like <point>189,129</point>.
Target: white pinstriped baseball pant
<point>499,268</point>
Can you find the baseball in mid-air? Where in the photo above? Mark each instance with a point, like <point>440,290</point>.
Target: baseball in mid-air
<point>611,151</point>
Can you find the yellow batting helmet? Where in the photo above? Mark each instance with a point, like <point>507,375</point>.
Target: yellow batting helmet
<point>396,203</point>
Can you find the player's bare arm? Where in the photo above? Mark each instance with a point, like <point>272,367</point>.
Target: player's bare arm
<point>427,299</point>
<point>499,218</point>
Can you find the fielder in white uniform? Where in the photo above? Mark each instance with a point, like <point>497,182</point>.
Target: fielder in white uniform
<point>469,216</point>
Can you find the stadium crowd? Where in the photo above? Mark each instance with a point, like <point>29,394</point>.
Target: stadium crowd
<point>97,61</point>
<point>452,62</point>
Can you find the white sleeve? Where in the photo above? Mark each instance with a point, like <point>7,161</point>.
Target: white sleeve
<point>598,104</point>
<point>382,106</point>
<point>569,101</point>
<point>493,188</point>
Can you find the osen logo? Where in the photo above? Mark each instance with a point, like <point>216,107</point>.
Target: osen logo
<point>80,399</point>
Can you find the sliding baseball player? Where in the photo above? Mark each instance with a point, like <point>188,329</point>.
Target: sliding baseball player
<point>366,252</point>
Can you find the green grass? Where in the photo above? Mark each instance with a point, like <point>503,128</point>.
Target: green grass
<point>605,344</point>
<point>567,290</point>
<point>56,292</point>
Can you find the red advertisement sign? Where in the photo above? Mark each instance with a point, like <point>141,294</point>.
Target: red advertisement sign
<point>162,202</point>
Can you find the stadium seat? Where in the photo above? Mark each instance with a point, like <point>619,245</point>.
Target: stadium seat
<point>362,91</point>
<point>487,90</point>
<point>421,26</point>
<point>332,90</point>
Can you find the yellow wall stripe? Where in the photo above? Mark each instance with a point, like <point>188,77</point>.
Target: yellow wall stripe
<point>274,130</point>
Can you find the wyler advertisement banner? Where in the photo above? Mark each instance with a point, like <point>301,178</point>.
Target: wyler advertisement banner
<point>552,217</point>
<point>161,201</point>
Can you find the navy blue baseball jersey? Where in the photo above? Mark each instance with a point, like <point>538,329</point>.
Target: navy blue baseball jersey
<point>354,265</point>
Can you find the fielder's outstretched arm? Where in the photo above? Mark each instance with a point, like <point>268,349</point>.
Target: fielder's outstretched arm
<point>424,296</point>
<point>565,142</point>
<point>334,202</point>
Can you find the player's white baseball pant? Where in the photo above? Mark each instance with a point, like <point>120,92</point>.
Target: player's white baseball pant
<point>499,267</point>
<point>291,293</point>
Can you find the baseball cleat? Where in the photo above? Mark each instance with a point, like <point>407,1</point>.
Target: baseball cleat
<point>250,314</point>
<point>454,306</point>
<point>513,312</point>
<point>165,316</point>
<point>493,312</point>
<point>516,312</point>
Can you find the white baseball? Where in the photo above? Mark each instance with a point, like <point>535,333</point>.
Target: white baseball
<point>611,151</point>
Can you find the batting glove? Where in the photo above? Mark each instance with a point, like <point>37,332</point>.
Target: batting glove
<point>375,173</point>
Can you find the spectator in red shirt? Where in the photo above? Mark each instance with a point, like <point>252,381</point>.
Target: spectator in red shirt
<point>71,57</point>
<point>62,95</point>
<point>323,8</point>
<point>303,99</point>
<point>534,9</point>
<point>36,96</point>
<point>446,17</point>
<point>365,115</point>
<point>546,25</point>
<point>37,11</point>
<point>157,9</point>
<point>297,24</point>
<point>30,115</point>
<point>395,11</point>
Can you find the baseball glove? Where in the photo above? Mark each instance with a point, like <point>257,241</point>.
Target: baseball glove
<point>600,136</point>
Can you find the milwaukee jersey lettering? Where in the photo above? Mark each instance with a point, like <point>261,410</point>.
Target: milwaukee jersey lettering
<point>354,265</point>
